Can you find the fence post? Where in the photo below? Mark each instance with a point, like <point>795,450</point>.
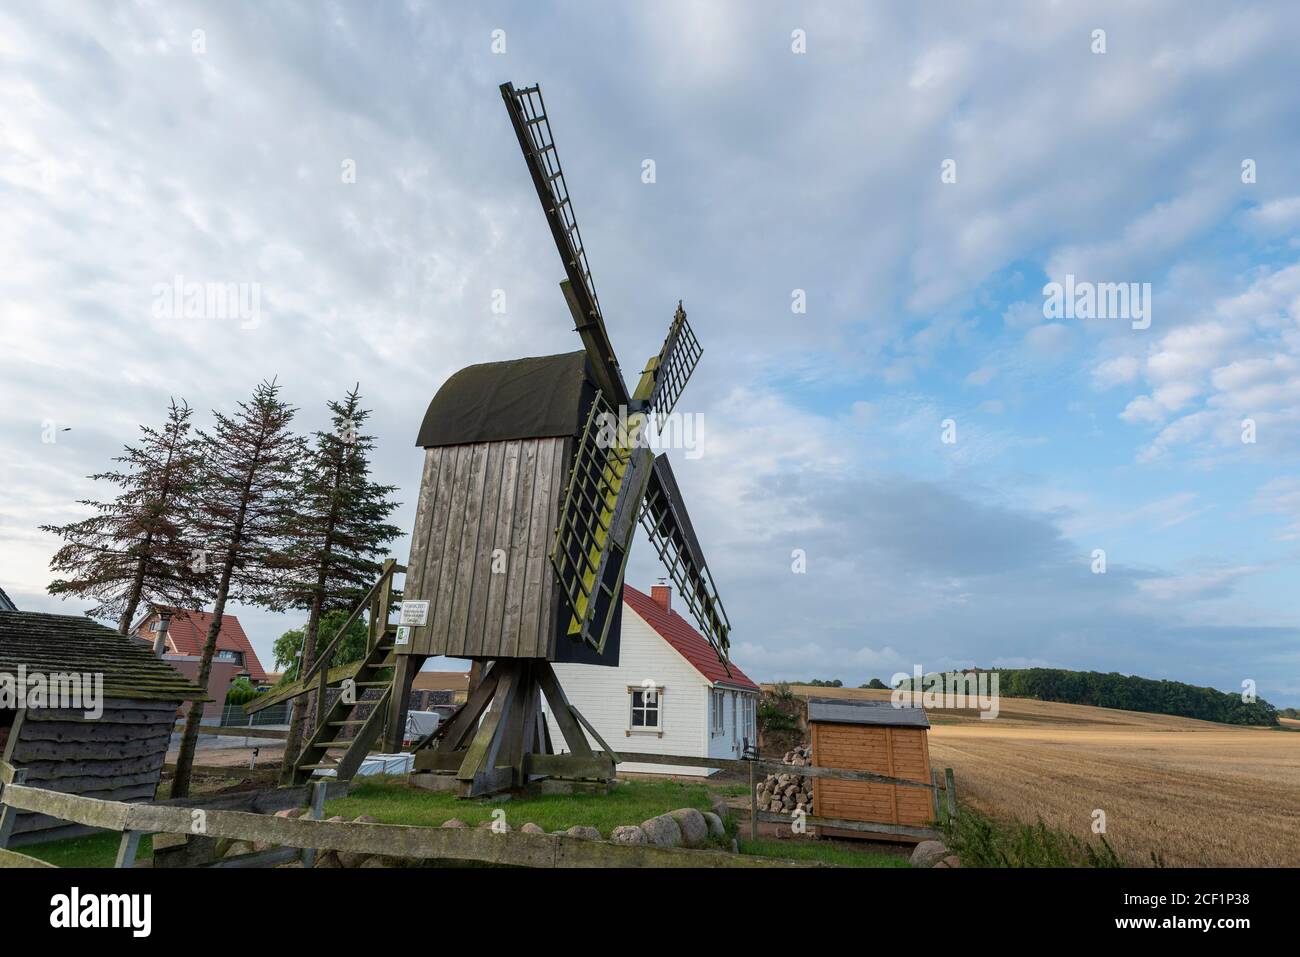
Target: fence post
<point>753,800</point>
<point>7,814</point>
<point>934,794</point>
<point>126,849</point>
<point>316,812</point>
<point>950,789</point>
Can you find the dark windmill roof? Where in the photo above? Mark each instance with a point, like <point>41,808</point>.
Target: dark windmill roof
<point>539,397</point>
<point>851,711</point>
<point>54,644</point>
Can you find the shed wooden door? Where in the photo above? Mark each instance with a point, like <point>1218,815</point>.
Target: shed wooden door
<point>897,752</point>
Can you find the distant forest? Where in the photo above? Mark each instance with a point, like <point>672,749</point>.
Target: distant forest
<point>1131,693</point>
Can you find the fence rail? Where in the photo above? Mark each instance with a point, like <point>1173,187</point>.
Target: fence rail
<point>524,850</point>
<point>482,845</point>
<point>238,731</point>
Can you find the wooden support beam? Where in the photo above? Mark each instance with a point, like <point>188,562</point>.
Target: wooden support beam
<point>481,755</point>
<point>314,813</point>
<point>562,711</point>
<point>466,717</point>
<point>429,760</point>
<point>867,827</point>
<point>404,672</point>
<point>600,768</point>
<point>7,814</point>
<point>126,849</point>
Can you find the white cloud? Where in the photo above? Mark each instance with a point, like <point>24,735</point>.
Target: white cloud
<point>1116,371</point>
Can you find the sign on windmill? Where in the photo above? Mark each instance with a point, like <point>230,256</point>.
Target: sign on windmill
<point>535,475</point>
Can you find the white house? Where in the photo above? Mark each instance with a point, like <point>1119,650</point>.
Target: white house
<point>669,693</point>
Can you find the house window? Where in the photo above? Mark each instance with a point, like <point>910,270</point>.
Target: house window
<point>226,655</point>
<point>153,626</point>
<point>719,715</point>
<point>749,719</point>
<point>646,710</point>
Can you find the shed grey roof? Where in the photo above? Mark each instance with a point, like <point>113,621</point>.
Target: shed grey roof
<point>71,643</point>
<point>857,711</point>
<point>5,603</point>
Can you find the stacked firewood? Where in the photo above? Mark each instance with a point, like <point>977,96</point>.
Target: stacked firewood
<point>788,791</point>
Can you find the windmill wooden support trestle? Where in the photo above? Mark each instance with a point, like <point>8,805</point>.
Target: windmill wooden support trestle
<point>499,739</point>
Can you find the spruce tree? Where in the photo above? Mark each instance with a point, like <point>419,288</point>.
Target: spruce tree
<point>136,549</point>
<point>246,522</point>
<point>342,529</point>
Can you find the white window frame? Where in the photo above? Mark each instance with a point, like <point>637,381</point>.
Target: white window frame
<point>717,713</point>
<point>747,709</point>
<point>658,729</point>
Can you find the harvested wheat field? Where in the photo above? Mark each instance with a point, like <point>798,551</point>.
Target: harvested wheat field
<point>1193,792</point>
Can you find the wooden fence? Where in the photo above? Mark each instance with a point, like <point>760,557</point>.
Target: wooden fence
<point>310,834</point>
<point>512,848</point>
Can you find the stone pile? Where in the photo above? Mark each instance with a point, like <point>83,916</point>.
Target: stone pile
<point>788,791</point>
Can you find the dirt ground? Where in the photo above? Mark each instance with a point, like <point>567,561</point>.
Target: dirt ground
<point>268,756</point>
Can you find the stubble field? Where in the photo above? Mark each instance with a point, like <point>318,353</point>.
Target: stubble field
<point>1191,792</point>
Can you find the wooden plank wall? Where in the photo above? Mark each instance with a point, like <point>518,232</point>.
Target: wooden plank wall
<point>475,499</point>
<point>897,752</point>
<point>117,757</point>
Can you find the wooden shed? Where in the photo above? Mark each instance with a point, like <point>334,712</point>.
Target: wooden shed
<point>870,736</point>
<point>113,750</point>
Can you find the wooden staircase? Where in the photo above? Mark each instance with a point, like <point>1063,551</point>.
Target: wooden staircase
<point>341,739</point>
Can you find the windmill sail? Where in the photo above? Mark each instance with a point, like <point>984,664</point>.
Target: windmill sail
<point>533,128</point>
<point>606,485</point>
<point>667,373</point>
<point>665,520</point>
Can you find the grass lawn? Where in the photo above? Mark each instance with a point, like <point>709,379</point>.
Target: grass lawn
<point>93,850</point>
<point>826,852</point>
<point>390,800</point>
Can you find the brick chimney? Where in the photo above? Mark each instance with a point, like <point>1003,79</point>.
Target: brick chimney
<point>662,595</point>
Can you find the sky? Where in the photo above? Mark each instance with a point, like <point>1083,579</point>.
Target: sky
<point>900,455</point>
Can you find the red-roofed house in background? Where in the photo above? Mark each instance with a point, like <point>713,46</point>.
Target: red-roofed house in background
<point>696,707</point>
<point>186,633</point>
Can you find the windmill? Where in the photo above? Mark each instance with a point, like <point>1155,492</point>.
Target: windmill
<point>536,473</point>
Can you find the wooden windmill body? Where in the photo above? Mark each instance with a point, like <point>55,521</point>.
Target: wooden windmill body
<point>535,476</point>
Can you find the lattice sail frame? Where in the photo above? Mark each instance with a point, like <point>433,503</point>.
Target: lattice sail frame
<point>537,126</point>
<point>672,368</point>
<point>663,516</point>
<point>610,470</point>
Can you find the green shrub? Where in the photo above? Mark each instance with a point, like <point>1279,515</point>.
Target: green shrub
<point>983,842</point>
<point>241,691</point>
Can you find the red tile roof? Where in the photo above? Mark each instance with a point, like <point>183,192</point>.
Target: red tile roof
<point>189,629</point>
<point>688,642</point>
